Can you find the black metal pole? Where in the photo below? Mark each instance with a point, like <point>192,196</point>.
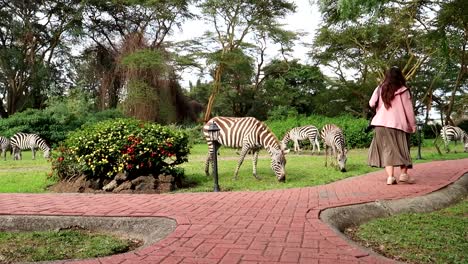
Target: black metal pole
<point>215,166</point>
<point>419,143</point>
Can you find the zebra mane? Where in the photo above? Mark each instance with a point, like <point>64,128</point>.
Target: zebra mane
<point>277,141</point>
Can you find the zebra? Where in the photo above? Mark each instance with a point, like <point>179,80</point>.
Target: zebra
<point>302,133</point>
<point>22,141</point>
<point>333,137</point>
<point>247,133</point>
<point>453,133</point>
<point>4,145</point>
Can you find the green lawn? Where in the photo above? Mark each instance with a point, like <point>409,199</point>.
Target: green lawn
<point>437,237</point>
<point>30,176</point>
<point>59,245</point>
<point>26,175</point>
<point>302,170</point>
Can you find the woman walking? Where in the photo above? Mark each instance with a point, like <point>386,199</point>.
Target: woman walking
<point>394,121</point>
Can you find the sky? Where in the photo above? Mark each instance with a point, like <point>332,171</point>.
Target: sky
<point>306,19</point>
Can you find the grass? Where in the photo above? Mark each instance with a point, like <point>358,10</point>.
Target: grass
<point>437,237</point>
<point>302,170</point>
<point>59,245</point>
<point>30,176</point>
<point>26,175</point>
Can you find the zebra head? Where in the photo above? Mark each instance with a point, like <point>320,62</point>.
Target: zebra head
<point>47,153</point>
<point>278,163</point>
<point>341,159</point>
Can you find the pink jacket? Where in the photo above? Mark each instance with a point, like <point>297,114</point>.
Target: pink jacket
<point>400,115</point>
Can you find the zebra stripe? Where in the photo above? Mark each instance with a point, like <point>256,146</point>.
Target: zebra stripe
<point>22,141</point>
<point>302,133</point>
<point>4,145</point>
<point>333,137</point>
<point>453,133</point>
<point>248,134</point>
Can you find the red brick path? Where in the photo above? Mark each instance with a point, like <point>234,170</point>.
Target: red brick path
<point>280,226</point>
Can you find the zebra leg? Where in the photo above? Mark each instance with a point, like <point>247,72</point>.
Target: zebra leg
<point>446,144</point>
<point>207,164</point>
<point>312,143</point>
<point>296,146</point>
<point>244,152</point>
<point>33,150</point>
<point>254,164</point>
<point>326,155</point>
<point>17,154</point>
<point>318,145</point>
<point>4,154</point>
<point>334,157</point>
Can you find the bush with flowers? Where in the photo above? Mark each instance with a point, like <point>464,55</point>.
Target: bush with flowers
<point>104,149</point>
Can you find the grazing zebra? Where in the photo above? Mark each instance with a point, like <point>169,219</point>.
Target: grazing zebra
<point>302,133</point>
<point>4,145</point>
<point>333,137</point>
<point>248,134</point>
<point>22,141</point>
<point>453,133</point>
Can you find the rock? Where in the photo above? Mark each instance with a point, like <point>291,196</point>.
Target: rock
<point>165,178</point>
<point>144,184</point>
<point>110,186</point>
<point>165,183</point>
<point>121,176</point>
<point>124,186</point>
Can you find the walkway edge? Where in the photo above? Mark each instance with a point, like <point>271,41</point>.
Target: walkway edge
<point>340,218</point>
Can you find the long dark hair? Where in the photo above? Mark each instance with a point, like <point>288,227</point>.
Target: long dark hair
<point>394,79</point>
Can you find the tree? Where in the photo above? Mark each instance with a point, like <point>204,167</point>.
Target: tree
<point>32,50</point>
<point>233,21</point>
<point>110,23</point>
<point>292,84</point>
<point>427,39</point>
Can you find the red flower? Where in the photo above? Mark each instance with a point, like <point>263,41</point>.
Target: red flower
<point>60,159</point>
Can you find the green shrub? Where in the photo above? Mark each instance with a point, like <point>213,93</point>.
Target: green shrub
<point>28,121</point>
<point>431,131</point>
<point>353,128</point>
<point>106,148</point>
<point>54,123</point>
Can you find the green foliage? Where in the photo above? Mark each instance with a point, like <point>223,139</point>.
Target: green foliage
<point>33,51</point>
<point>29,121</point>
<point>145,59</point>
<point>62,115</point>
<point>106,148</point>
<point>292,84</point>
<point>282,112</point>
<point>353,128</point>
<point>463,125</point>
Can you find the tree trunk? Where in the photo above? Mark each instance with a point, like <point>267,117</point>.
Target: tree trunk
<point>214,92</point>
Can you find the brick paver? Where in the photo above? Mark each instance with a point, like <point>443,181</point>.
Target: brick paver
<point>279,226</point>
